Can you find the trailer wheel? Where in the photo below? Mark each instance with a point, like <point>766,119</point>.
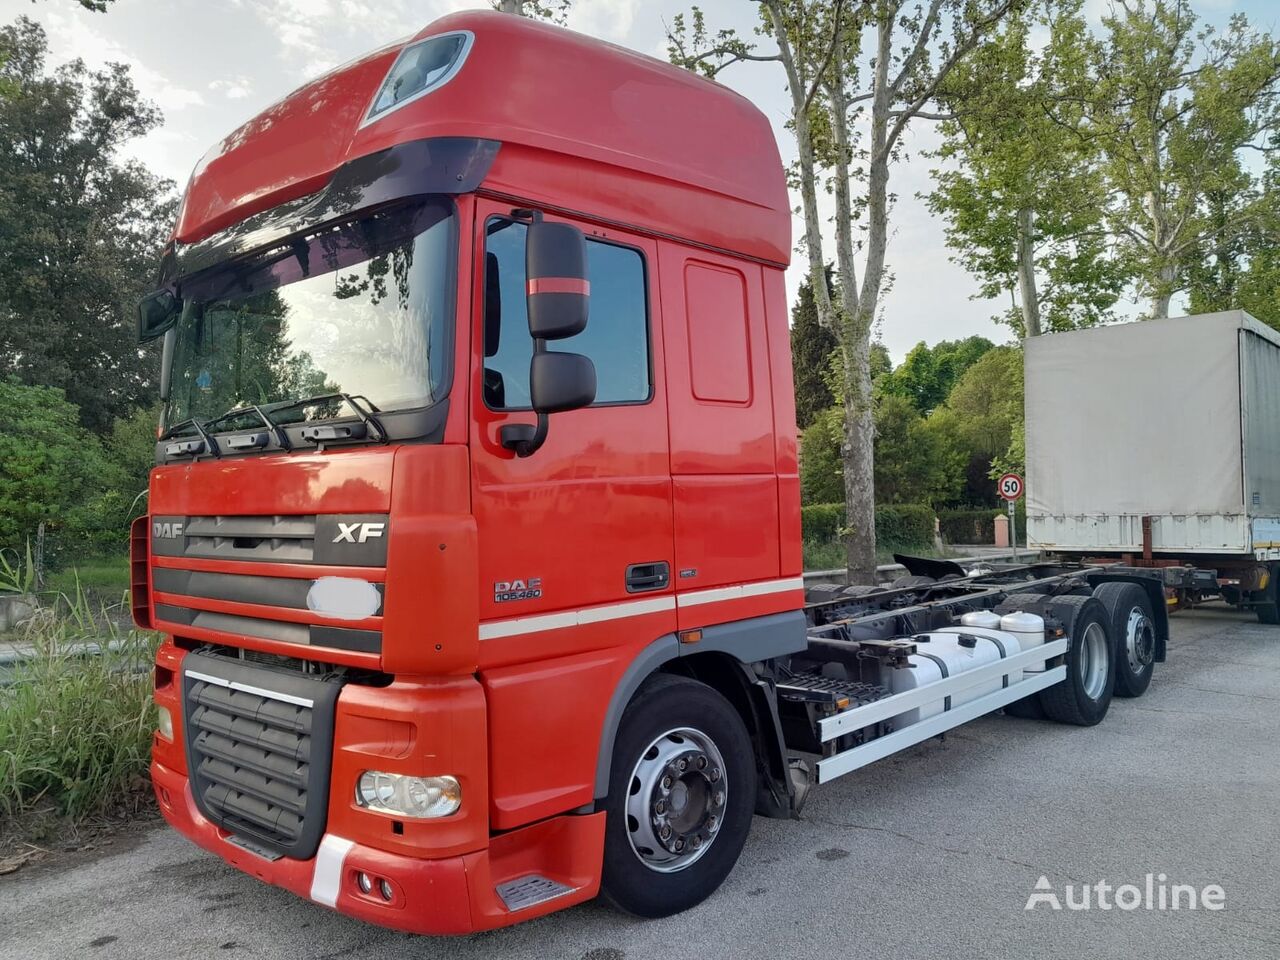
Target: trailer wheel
<point>1085,695</point>
<point>1134,631</point>
<point>681,795</point>
<point>1269,612</point>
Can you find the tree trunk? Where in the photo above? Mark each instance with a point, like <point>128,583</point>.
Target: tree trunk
<point>1027,291</point>
<point>859,421</point>
<point>808,169</point>
<point>1163,293</point>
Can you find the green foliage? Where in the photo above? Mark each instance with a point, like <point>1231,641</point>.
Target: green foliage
<point>91,228</point>
<point>820,522</point>
<point>76,726</point>
<point>19,574</point>
<point>986,404</point>
<point>812,346</point>
<point>50,466</point>
<point>927,374</point>
<point>1173,107</point>
<point>821,469</point>
<point>904,525</point>
<point>916,462</point>
<point>900,526</point>
<point>976,525</point>
<point>1024,182</point>
<point>54,471</point>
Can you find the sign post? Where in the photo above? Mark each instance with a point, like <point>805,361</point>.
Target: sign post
<point>1011,487</point>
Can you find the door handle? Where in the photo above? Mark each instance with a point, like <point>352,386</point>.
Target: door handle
<point>643,577</point>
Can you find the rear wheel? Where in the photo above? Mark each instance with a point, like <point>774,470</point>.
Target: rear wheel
<point>1084,696</point>
<point>681,796</point>
<point>1134,631</point>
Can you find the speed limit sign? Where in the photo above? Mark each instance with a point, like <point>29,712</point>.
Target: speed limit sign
<point>1010,487</point>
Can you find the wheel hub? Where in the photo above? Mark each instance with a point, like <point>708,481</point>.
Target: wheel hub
<point>1140,640</point>
<point>676,800</point>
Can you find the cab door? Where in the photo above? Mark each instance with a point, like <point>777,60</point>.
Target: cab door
<point>576,542</point>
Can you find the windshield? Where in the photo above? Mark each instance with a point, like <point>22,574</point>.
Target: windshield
<point>364,309</point>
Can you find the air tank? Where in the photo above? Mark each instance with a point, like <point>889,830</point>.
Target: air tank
<point>1029,629</point>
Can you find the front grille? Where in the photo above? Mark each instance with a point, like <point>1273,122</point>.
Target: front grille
<point>322,540</point>
<point>348,540</point>
<point>259,743</point>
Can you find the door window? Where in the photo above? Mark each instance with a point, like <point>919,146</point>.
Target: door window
<point>617,334</point>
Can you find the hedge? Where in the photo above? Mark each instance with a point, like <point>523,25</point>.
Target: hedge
<point>897,525</point>
<point>976,525</point>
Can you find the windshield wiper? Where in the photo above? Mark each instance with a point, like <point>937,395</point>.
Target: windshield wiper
<point>191,448</point>
<point>323,434</point>
<point>282,438</point>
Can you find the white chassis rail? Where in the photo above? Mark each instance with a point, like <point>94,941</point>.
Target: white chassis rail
<point>850,720</point>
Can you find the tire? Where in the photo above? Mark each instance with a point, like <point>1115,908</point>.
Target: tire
<point>1084,697</point>
<point>669,720</point>
<point>1134,632</point>
<point>1269,612</point>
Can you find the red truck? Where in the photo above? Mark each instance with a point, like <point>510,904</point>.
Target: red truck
<point>474,534</point>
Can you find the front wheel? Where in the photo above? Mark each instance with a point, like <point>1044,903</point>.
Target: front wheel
<point>681,795</point>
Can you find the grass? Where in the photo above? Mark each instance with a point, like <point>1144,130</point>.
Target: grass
<point>75,727</point>
<point>104,576</point>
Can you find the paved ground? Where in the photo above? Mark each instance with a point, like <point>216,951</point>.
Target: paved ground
<point>930,854</point>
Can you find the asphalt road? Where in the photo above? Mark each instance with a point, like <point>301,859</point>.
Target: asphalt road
<point>932,853</point>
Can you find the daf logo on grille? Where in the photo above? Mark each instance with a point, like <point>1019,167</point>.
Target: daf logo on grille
<point>166,531</point>
<point>358,532</point>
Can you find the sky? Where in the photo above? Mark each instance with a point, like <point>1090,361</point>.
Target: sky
<point>212,64</point>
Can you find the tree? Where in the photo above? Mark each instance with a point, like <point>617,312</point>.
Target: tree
<point>821,477</point>
<point>812,345</point>
<point>1239,269</point>
<point>915,461</point>
<point>927,374</point>
<point>984,416</point>
<point>1173,108</point>
<point>555,11</point>
<point>818,43</point>
<point>80,231</point>
<point>51,469</point>
<point>1025,195</point>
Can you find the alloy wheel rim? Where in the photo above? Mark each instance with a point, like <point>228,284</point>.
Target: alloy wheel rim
<point>676,799</point>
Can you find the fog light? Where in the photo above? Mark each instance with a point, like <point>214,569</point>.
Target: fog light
<point>384,888</point>
<point>364,882</point>
<point>164,723</point>
<point>420,797</point>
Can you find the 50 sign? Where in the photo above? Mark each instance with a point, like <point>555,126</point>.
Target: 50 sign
<point>1011,487</point>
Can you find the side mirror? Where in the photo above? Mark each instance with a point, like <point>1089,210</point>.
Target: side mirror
<point>157,312</point>
<point>555,259</point>
<point>558,293</point>
<point>561,381</point>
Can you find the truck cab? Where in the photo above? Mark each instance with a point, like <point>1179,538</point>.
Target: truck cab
<point>479,428</point>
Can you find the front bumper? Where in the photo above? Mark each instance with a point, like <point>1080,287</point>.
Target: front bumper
<point>450,895</point>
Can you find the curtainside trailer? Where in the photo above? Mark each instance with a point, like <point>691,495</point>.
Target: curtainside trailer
<point>1158,443</point>
<point>475,362</point>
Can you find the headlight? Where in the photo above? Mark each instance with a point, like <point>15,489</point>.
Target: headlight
<point>420,797</point>
<point>164,723</point>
